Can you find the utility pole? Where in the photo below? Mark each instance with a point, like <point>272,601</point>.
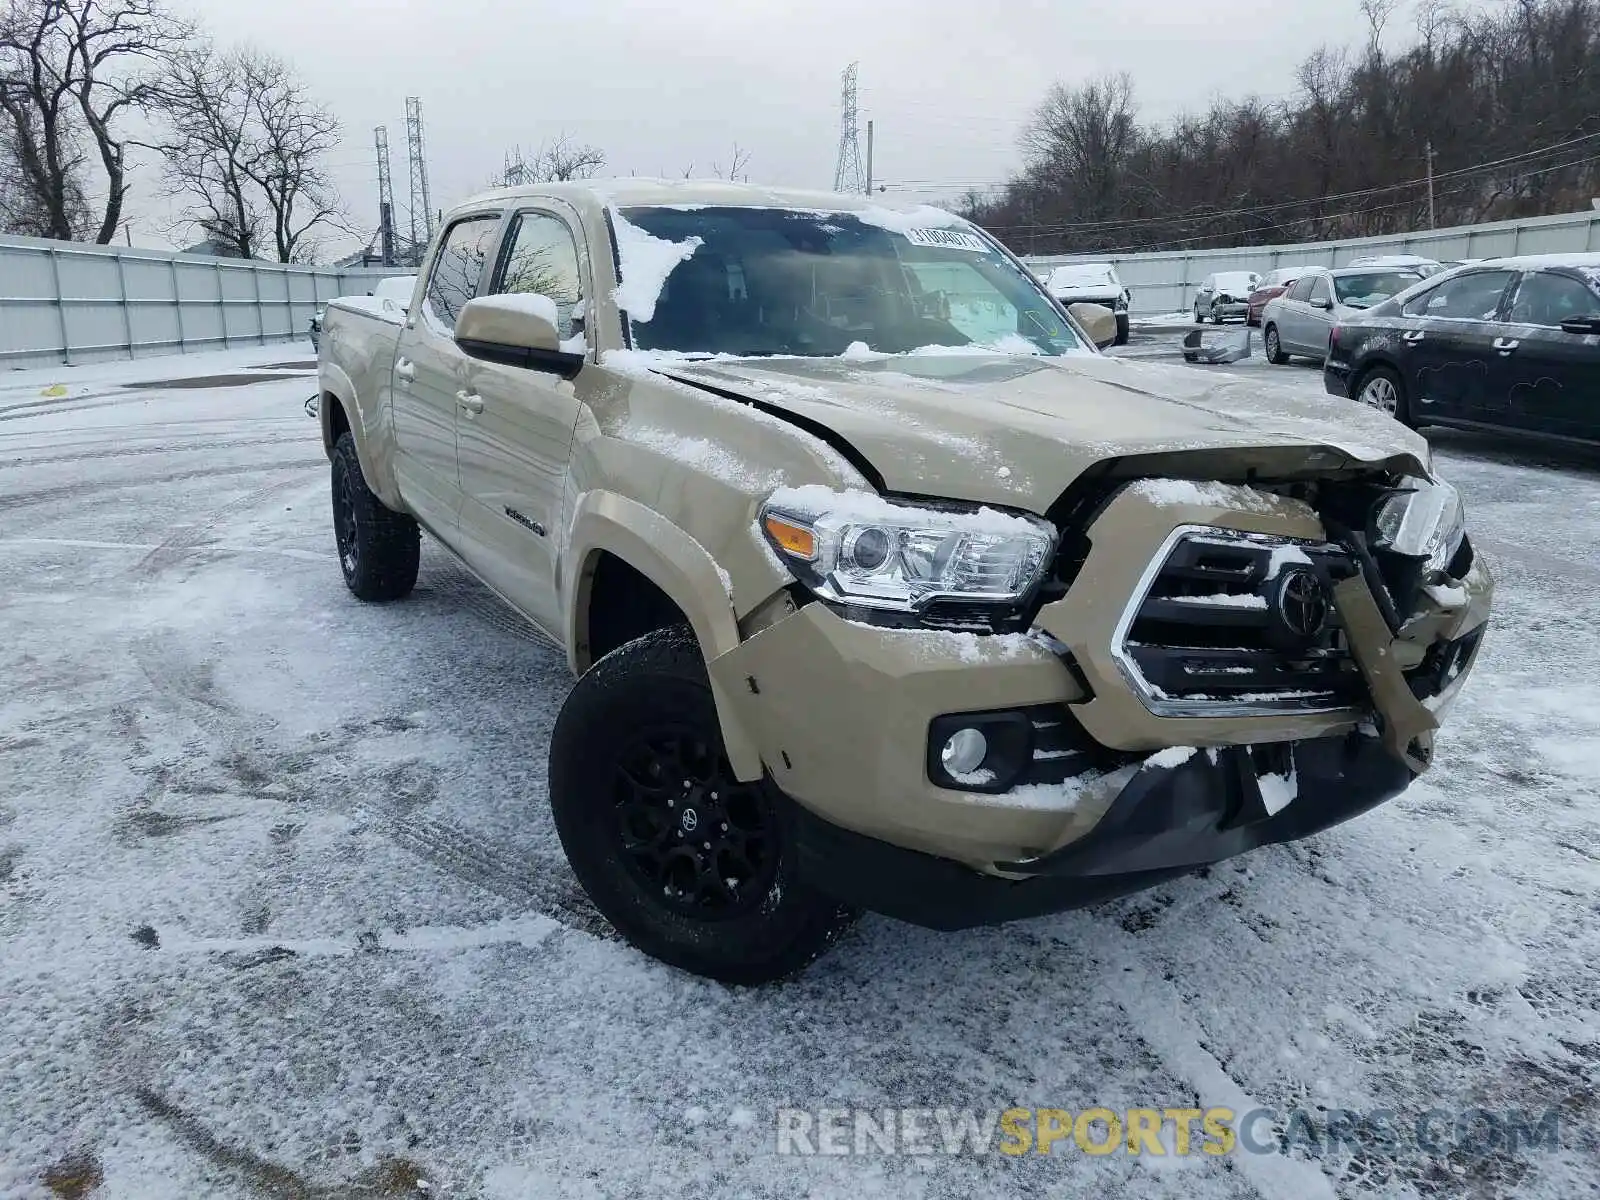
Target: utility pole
<point>380,141</point>
<point>421,204</point>
<point>848,174</point>
<point>1430,185</point>
<point>869,158</point>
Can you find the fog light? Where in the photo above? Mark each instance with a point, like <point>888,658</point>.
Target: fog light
<point>964,752</point>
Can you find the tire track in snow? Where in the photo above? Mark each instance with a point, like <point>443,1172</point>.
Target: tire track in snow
<point>545,884</point>
<point>1156,1011</point>
<point>75,490</point>
<point>189,537</point>
<point>161,448</point>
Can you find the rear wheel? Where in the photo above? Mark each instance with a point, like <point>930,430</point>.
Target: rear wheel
<point>1275,354</point>
<point>379,549</point>
<point>1382,388</point>
<point>691,865</point>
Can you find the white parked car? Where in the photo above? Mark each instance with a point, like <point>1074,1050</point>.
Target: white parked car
<point>1225,294</point>
<point>1093,283</point>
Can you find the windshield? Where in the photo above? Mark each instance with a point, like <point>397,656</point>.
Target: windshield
<point>1236,281</point>
<point>1094,275</point>
<point>1368,288</point>
<point>762,281</point>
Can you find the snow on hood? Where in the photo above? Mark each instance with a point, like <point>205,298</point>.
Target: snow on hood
<point>1015,431</point>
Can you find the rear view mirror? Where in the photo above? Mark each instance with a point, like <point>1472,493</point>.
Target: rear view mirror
<point>1588,325</point>
<point>1098,321</point>
<point>518,330</point>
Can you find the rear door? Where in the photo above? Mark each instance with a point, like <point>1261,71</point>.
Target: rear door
<point>1294,320</point>
<point>1450,351</point>
<point>429,370</point>
<point>1550,378</point>
<point>515,423</point>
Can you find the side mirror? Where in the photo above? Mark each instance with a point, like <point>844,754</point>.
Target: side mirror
<point>1098,321</point>
<point>1324,304</point>
<point>518,330</point>
<point>1587,326</point>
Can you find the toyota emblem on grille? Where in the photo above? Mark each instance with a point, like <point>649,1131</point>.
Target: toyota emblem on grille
<point>1301,605</point>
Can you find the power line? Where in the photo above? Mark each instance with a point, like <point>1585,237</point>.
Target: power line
<point>1340,216</point>
<point>1363,193</point>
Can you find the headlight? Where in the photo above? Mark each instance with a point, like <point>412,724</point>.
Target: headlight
<point>860,549</point>
<point>1121,303</point>
<point>1424,520</point>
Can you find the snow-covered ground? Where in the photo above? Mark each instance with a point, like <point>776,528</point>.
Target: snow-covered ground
<point>282,912</point>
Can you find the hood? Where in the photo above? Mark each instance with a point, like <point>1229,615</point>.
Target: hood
<point>1103,288</point>
<point>1015,431</point>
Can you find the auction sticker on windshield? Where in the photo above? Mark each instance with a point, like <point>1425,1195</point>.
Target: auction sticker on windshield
<point>947,239</point>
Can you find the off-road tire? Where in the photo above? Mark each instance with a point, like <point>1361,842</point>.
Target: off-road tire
<point>1199,317</point>
<point>645,694</point>
<point>1402,403</point>
<point>379,549</point>
<point>1122,332</point>
<point>1274,346</point>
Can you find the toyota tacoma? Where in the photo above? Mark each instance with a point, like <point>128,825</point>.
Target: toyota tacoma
<point>883,589</point>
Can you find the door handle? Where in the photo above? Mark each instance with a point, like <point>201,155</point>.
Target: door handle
<point>405,370</point>
<point>1506,345</point>
<point>471,403</point>
<point>1413,336</point>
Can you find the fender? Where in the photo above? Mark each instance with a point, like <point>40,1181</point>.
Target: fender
<point>677,564</point>
<point>369,426</point>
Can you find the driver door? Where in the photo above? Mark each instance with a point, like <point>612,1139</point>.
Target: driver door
<point>516,424</point>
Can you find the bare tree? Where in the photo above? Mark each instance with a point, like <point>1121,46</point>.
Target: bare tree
<point>552,162</point>
<point>738,169</point>
<point>1377,13</point>
<point>69,69</point>
<point>247,146</point>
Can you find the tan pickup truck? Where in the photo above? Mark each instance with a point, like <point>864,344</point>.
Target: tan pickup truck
<point>883,588</point>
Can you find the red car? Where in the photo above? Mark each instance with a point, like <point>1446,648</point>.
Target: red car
<point>1273,283</point>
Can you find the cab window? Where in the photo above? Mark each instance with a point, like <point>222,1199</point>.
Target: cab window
<point>1545,299</point>
<point>1319,289</point>
<point>1302,288</point>
<point>1474,297</point>
<point>458,268</point>
<point>542,259</point>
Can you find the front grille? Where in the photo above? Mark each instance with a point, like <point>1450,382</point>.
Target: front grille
<point>1212,634</point>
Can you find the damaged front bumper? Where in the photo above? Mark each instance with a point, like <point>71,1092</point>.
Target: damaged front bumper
<point>1165,822</point>
<point>847,717</point>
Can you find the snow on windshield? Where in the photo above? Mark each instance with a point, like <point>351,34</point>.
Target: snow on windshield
<point>646,261</point>
<point>758,281</point>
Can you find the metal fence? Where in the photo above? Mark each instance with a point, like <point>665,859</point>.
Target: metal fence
<point>1166,281</point>
<point>66,302</point>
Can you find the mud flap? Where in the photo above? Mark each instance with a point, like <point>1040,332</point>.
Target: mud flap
<point>1408,725</point>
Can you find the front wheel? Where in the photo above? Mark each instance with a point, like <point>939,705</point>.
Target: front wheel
<point>379,549</point>
<point>1275,354</point>
<point>694,867</point>
<point>1383,389</point>
<point>1199,317</point>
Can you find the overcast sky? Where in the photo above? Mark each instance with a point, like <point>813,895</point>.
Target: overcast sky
<point>659,86</point>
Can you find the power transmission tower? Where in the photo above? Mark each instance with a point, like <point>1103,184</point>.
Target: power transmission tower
<point>516,173</point>
<point>849,175</point>
<point>380,138</point>
<point>421,204</point>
